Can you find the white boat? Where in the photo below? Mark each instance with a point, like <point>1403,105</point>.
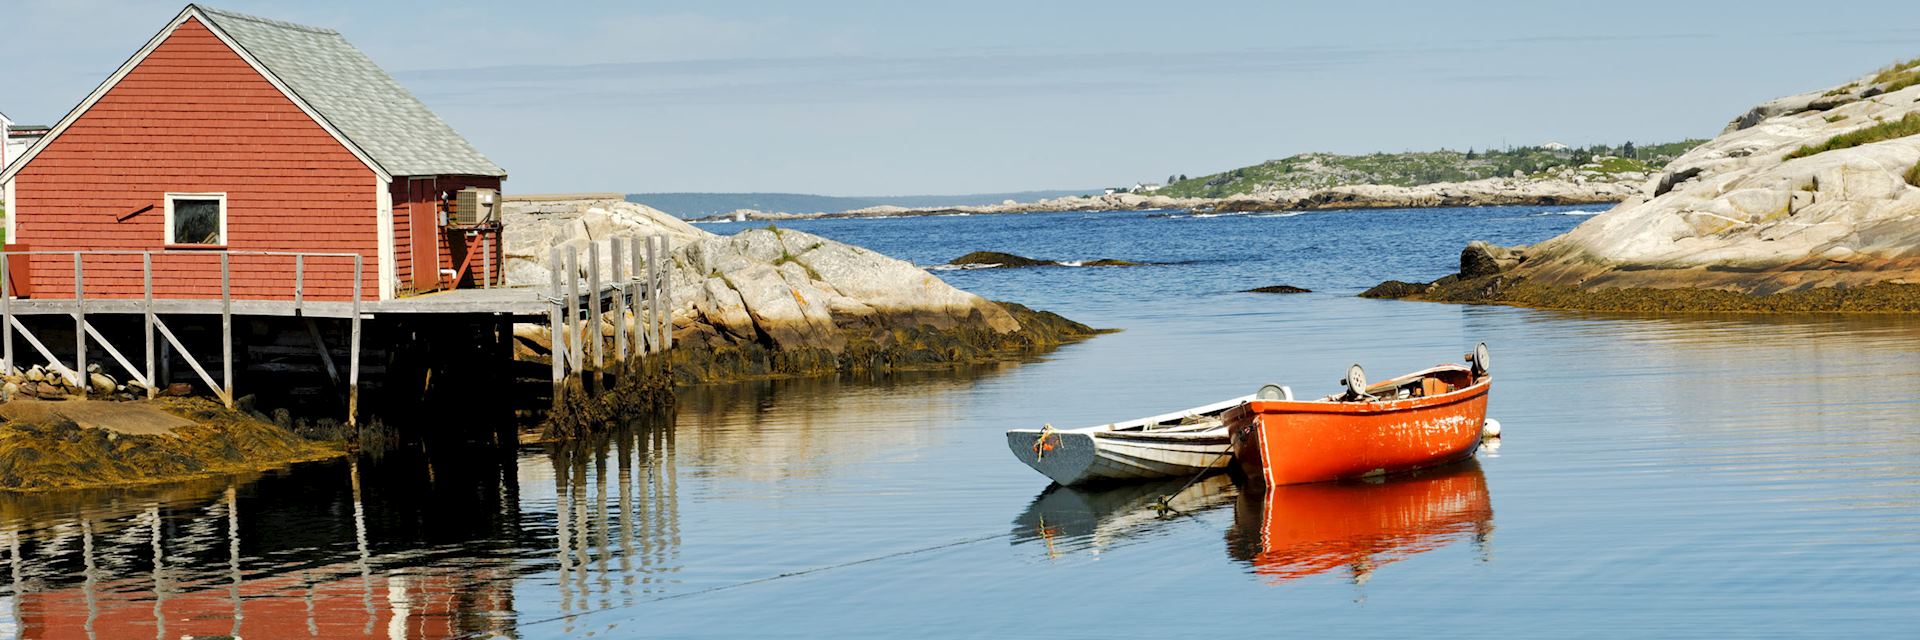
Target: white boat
<point>1174,445</point>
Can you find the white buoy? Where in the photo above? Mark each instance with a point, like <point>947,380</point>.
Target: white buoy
<point>1491,429</point>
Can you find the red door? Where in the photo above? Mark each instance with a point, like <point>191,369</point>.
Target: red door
<point>423,222</point>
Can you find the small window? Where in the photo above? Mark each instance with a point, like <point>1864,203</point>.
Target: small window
<point>197,218</point>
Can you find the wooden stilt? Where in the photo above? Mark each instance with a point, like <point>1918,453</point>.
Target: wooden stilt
<point>594,315</point>
<point>108,347</point>
<point>556,332</point>
<point>353,353</point>
<point>46,353</point>
<point>226,330</point>
<point>653,292</point>
<point>574,344</point>
<point>326,355</point>
<point>85,381</point>
<point>146,312</point>
<point>619,292</point>
<point>666,293</point>
<point>6,319</point>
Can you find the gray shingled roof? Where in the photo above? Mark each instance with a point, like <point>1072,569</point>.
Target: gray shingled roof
<point>355,96</point>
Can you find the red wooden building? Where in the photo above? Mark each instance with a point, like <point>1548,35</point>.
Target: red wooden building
<point>228,133</point>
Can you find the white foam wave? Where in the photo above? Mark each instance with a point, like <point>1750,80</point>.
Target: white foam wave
<point>1575,212</point>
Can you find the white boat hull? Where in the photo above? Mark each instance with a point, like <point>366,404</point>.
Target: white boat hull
<point>1143,449</point>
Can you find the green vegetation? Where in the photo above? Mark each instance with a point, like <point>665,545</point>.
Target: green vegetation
<point>1835,117</point>
<point>1899,76</point>
<point>1321,170</point>
<point>1913,175</point>
<point>1907,126</point>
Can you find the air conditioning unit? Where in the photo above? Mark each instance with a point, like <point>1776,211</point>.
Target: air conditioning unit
<point>474,205</point>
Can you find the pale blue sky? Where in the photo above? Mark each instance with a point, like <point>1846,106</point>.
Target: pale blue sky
<point>871,98</point>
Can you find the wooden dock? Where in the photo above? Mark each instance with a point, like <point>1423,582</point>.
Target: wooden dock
<point>633,299</point>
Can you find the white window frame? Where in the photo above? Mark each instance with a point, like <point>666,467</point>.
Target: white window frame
<point>221,197</point>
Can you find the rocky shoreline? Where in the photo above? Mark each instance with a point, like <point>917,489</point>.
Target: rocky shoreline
<point>777,302</point>
<point>1808,203</point>
<point>1558,189</point>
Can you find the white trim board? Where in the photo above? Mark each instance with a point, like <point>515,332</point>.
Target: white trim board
<point>191,12</point>
<point>167,233</point>
<point>383,194</point>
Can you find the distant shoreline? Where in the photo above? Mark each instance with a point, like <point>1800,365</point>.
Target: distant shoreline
<point>1478,193</point>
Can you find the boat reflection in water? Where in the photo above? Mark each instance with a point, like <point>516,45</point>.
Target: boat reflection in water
<point>1094,518</point>
<point>1294,531</point>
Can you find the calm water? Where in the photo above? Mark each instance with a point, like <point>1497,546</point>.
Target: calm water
<point>1701,476</point>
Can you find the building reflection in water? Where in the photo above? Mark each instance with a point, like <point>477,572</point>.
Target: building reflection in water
<point>425,543</point>
<point>1295,531</point>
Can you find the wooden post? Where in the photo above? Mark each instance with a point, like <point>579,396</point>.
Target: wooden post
<point>619,292</point>
<point>146,312</point>
<point>80,328</point>
<point>666,293</point>
<point>6,319</point>
<point>556,336</point>
<point>594,315</point>
<point>575,357</point>
<point>642,298</point>
<point>353,354</point>
<point>226,329</point>
<point>653,292</point>
<point>299,281</point>
<point>486,260</point>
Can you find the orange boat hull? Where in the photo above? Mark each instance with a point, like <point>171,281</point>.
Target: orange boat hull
<point>1282,442</point>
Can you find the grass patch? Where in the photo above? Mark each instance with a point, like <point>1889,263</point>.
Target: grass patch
<point>1907,126</point>
<point>1836,117</point>
<point>1899,76</point>
<point>1913,175</point>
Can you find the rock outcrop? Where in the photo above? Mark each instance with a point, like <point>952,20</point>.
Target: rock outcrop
<point>1806,192</point>
<point>1749,212</point>
<point>772,301</point>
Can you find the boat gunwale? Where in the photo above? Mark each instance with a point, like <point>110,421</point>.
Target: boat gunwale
<point>1137,426</point>
<point>1372,407</point>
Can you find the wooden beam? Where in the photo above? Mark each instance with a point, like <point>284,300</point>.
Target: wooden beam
<point>326,356</point>
<point>115,353</point>
<point>595,304</point>
<point>353,352</point>
<point>191,361</point>
<point>6,319</point>
<point>619,299</point>
<point>44,352</point>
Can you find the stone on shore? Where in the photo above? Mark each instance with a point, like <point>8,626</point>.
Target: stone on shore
<point>1279,288</point>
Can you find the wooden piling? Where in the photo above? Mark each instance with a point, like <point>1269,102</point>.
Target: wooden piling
<point>653,292</point>
<point>556,335</point>
<point>575,351</point>
<point>85,382</point>
<point>6,318</point>
<point>666,293</point>
<point>146,313</point>
<point>619,291</point>
<point>594,315</point>
<point>226,329</point>
<point>353,355</point>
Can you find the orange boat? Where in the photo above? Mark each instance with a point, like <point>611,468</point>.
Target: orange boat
<point>1422,419</point>
<point>1291,532</point>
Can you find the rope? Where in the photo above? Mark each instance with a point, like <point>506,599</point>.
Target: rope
<point>748,583</point>
<point>1040,446</point>
<point>1165,504</point>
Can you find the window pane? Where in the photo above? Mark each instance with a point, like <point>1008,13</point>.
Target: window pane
<point>196,221</point>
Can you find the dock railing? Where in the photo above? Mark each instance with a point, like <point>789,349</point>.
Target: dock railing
<point>637,293</point>
<point>120,300</point>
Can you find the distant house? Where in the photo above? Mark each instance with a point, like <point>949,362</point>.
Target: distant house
<point>228,132</point>
<point>1554,146</point>
<point>19,138</point>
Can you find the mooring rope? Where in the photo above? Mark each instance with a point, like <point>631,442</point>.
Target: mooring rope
<point>1040,446</point>
<point>1165,504</point>
<point>755,581</point>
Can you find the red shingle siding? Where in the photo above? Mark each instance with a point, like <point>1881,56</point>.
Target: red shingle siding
<point>194,117</point>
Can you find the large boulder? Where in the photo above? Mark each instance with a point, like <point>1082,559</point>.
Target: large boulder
<point>773,289</point>
<point>1751,212</point>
